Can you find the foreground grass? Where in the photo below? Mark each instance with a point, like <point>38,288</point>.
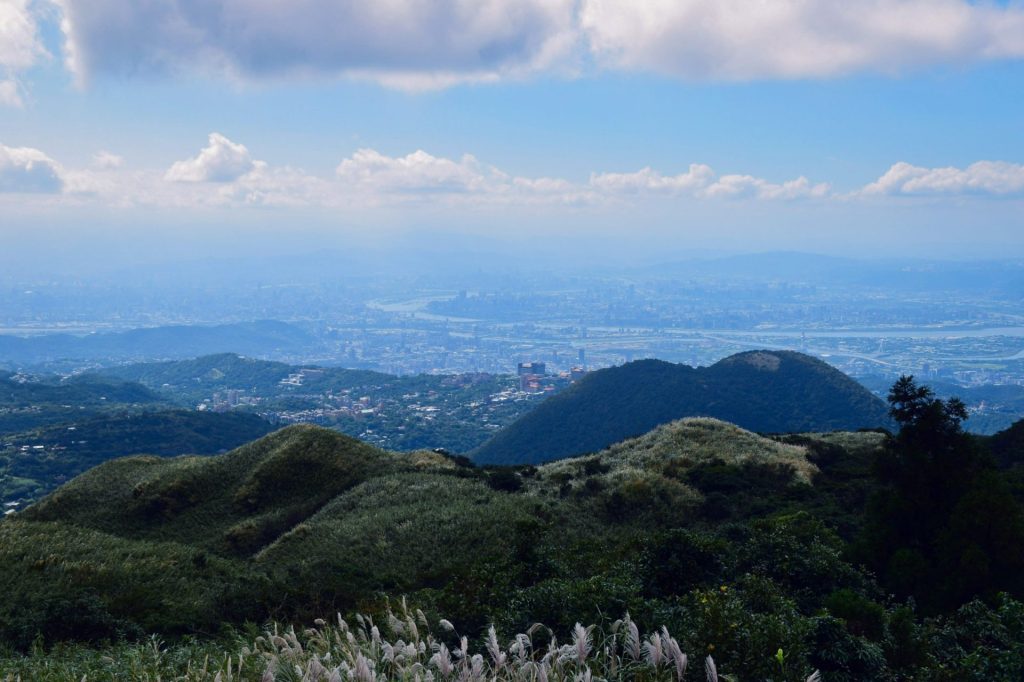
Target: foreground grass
<point>402,648</point>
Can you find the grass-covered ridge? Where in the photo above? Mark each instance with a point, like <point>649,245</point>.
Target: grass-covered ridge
<point>232,504</point>
<point>691,442</point>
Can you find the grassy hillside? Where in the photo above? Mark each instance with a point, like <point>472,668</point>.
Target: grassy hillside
<point>316,518</point>
<point>34,462</point>
<point>764,391</point>
<point>233,504</point>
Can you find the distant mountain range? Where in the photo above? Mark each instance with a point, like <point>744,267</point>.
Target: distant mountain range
<point>763,391</point>
<point>262,337</point>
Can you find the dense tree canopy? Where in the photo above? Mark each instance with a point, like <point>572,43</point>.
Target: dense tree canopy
<point>944,526</point>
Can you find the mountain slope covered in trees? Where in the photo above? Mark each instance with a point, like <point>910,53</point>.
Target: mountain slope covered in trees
<point>36,461</point>
<point>763,391</point>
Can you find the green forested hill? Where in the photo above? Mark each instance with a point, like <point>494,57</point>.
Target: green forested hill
<point>188,380</point>
<point>764,391</point>
<point>732,540</point>
<point>307,518</point>
<point>14,393</point>
<point>208,371</point>
<point>36,461</point>
<point>31,402</point>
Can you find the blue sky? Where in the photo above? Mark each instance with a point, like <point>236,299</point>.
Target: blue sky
<point>873,127</point>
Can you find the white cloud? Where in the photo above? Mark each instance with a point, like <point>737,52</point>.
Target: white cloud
<point>410,43</point>
<point>418,171</point>
<point>695,179</point>
<point>277,187</point>
<point>104,160</point>
<point>23,169</point>
<point>224,174</point>
<point>20,48</point>
<point>741,39</point>
<point>10,93</point>
<point>375,178</point>
<point>982,177</point>
<point>221,161</point>
<point>700,181</point>
<point>416,45</point>
<point>749,186</point>
<point>19,44</point>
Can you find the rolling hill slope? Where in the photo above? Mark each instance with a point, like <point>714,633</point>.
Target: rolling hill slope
<point>309,519</point>
<point>35,461</point>
<point>763,391</point>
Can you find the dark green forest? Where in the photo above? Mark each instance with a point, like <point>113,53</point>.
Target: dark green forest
<point>35,461</point>
<point>764,391</point>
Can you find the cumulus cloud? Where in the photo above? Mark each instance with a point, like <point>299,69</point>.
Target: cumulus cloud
<point>220,161</point>
<point>278,187</point>
<point>411,44</point>
<point>20,48</point>
<point>408,42</point>
<point>423,177</point>
<point>983,177</point>
<point>418,171</point>
<point>23,169</point>
<point>700,181</point>
<point>697,178</point>
<point>224,174</point>
<point>739,39</point>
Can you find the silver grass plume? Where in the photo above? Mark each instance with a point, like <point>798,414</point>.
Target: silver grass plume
<point>582,642</point>
<point>363,671</point>
<point>521,648</point>
<point>442,660</point>
<point>397,626</point>
<point>632,643</point>
<point>477,667</point>
<point>674,653</point>
<point>653,651</point>
<point>710,669</point>
<point>494,649</point>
